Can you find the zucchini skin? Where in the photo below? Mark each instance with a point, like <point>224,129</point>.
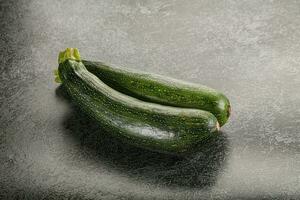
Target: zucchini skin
<point>148,125</point>
<point>162,90</point>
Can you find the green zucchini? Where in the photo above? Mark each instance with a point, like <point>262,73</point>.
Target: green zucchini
<point>144,124</point>
<point>162,90</point>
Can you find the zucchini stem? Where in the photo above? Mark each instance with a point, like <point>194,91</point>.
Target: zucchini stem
<point>56,75</point>
<point>69,54</point>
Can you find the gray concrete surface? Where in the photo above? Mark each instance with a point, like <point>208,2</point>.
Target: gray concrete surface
<point>249,50</point>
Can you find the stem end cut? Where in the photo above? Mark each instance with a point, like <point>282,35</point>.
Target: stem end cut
<point>69,54</point>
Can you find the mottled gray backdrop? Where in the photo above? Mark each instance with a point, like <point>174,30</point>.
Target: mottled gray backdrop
<point>249,50</point>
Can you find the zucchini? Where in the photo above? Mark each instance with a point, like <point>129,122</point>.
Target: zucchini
<point>144,124</point>
<point>162,90</point>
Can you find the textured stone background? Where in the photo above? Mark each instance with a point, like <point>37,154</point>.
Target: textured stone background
<point>249,50</point>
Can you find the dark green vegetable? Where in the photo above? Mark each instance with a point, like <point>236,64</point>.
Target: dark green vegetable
<point>147,125</point>
<point>162,90</point>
